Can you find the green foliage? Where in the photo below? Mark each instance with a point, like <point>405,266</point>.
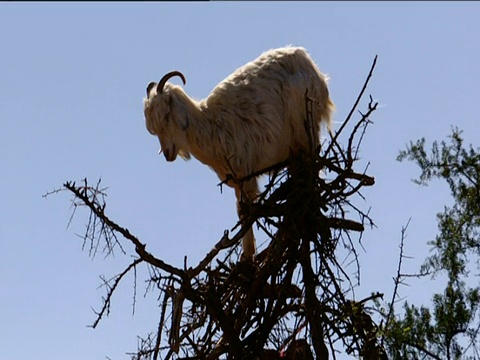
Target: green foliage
<point>449,327</point>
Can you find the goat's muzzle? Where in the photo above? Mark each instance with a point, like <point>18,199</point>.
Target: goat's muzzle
<point>170,155</point>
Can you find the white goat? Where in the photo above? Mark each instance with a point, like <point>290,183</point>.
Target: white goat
<point>250,121</point>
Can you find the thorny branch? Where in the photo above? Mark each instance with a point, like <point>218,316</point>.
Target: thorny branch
<point>111,289</point>
<point>398,278</point>
<point>295,299</point>
<point>355,105</point>
<point>97,209</point>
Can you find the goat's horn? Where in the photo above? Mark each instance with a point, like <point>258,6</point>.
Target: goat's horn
<point>149,87</point>
<point>167,76</point>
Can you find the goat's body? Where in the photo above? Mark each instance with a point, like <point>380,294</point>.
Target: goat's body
<point>258,112</point>
<point>251,120</point>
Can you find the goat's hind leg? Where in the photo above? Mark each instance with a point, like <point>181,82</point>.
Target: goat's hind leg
<point>246,194</point>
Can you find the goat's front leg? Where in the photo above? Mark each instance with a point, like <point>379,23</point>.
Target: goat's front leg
<point>246,194</point>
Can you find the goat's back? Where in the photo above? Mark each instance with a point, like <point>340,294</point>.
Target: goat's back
<point>264,104</point>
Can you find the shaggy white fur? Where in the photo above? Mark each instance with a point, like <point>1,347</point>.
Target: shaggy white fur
<point>251,120</point>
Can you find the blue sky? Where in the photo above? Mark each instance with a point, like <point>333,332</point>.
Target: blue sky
<point>72,80</point>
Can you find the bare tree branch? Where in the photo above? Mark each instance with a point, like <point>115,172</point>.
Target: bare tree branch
<point>294,296</point>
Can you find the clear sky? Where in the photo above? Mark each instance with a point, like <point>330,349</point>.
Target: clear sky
<point>72,80</point>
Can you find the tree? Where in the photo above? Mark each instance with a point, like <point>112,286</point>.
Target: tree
<point>296,300</point>
<point>449,328</point>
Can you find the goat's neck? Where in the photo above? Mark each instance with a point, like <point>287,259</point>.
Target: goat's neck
<point>196,127</point>
<point>204,134</point>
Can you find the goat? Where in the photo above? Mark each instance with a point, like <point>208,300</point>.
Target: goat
<point>250,121</point>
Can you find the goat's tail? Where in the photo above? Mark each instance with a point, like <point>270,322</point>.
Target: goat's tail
<point>327,118</point>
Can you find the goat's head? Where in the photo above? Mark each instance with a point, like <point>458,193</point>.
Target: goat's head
<point>166,116</point>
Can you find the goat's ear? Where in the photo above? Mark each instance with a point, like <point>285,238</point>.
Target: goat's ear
<point>179,113</point>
